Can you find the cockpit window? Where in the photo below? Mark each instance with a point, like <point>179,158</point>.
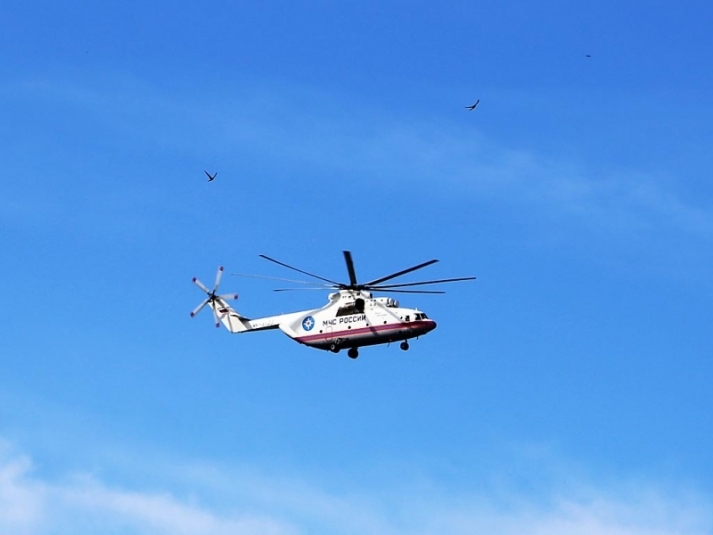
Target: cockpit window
<point>420,316</point>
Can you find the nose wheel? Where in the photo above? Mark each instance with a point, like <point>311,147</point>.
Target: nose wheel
<point>353,353</point>
<point>404,345</point>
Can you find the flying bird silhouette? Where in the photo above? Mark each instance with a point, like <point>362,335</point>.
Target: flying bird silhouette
<point>471,108</point>
<point>211,178</point>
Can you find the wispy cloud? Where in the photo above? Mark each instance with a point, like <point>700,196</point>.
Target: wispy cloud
<point>30,504</point>
<point>146,512</point>
<point>352,139</point>
<point>21,498</point>
<point>83,504</point>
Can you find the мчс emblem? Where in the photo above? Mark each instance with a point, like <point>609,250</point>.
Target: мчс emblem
<point>308,323</point>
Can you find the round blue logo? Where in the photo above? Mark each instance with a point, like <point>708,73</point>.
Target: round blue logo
<point>308,323</point>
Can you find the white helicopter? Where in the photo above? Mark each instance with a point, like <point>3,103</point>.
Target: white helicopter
<point>352,318</point>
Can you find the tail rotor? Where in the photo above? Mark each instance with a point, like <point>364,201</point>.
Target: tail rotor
<point>216,302</point>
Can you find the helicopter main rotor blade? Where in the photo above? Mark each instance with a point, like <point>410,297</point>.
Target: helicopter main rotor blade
<point>300,271</point>
<point>402,285</point>
<point>305,289</point>
<point>398,274</point>
<point>387,290</point>
<point>350,268</point>
<point>281,279</point>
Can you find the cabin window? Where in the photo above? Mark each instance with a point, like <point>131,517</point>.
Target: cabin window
<point>348,310</point>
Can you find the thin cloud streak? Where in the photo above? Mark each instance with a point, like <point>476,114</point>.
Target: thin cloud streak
<point>79,504</point>
<point>373,147</point>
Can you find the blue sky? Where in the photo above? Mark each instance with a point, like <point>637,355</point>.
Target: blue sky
<point>566,390</point>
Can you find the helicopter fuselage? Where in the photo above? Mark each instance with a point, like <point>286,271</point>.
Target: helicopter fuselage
<point>350,320</point>
<point>346,323</point>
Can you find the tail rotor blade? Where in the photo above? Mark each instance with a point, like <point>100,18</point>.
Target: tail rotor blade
<point>200,285</point>
<point>218,276</point>
<point>218,303</point>
<point>215,315</point>
<point>225,315</point>
<point>199,308</point>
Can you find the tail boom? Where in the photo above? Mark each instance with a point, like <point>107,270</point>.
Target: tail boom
<point>235,323</point>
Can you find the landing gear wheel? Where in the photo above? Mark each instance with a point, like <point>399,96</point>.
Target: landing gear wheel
<point>334,348</point>
<point>353,353</point>
<point>404,345</point>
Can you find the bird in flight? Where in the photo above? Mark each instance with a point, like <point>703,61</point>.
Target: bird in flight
<point>211,178</point>
<point>471,108</point>
<point>589,55</point>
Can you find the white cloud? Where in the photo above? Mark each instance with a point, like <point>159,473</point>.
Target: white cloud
<point>33,505</point>
<point>20,499</point>
<point>146,512</point>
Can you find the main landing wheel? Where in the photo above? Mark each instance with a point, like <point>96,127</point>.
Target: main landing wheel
<point>353,353</point>
<point>404,345</point>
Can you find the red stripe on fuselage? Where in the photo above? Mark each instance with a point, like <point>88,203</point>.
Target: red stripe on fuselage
<point>381,330</point>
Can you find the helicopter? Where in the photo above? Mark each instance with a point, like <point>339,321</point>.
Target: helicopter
<point>352,318</point>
